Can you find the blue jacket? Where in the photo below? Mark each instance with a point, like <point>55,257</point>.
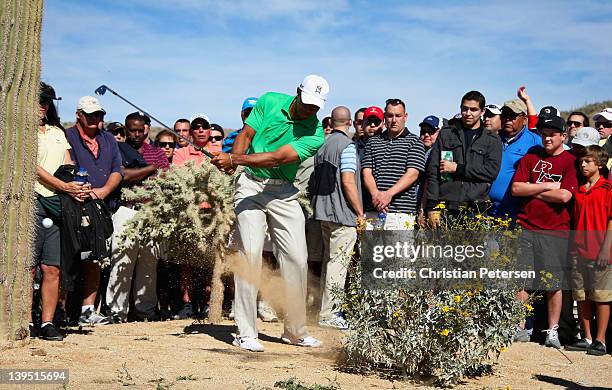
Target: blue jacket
<point>512,151</point>
<point>228,142</point>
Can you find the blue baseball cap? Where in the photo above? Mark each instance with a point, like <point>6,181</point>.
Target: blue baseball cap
<point>249,103</point>
<point>432,121</point>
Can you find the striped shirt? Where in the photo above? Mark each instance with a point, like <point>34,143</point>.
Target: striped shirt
<point>389,159</point>
<point>154,156</point>
<point>348,159</point>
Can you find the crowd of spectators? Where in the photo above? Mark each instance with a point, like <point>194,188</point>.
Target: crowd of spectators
<point>541,172</point>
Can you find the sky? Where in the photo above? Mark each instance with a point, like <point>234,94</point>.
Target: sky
<point>175,58</point>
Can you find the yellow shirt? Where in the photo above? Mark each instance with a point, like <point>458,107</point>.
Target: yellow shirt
<point>52,146</point>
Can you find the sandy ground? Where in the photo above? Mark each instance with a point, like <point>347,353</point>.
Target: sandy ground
<point>188,355</point>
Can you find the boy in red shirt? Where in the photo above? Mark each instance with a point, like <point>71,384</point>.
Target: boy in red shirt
<point>546,179</point>
<point>592,268</point>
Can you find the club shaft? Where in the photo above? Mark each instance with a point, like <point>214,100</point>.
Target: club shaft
<point>199,148</point>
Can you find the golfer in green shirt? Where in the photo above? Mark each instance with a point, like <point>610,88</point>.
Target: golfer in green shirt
<point>280,133</point>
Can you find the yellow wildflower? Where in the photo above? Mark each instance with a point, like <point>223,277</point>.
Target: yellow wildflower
<point>444,332</point>
<point>457,298</point>
<point>440,206</point>
<point>528,307</point>
<point>446,309</point>
<point>503,349</point>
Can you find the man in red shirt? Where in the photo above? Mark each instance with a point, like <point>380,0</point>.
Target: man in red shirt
<point>592,268</point>
<point>546,179</point>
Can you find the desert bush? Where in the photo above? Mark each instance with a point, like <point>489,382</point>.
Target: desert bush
<point>438,333</point>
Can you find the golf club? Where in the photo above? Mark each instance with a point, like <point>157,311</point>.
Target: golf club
<point>101,90</point>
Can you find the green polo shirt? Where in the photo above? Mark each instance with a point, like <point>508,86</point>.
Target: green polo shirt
<point>274,128</point>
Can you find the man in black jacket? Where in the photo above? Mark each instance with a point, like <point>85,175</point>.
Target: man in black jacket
<point>463,162</point>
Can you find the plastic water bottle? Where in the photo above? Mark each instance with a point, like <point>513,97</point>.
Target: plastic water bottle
<point>447,155</point>
<point>82,176</point>
<point>380,222</point>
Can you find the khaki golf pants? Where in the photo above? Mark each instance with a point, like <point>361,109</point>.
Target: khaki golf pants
<point>338,243</point>
<point>272,203</point>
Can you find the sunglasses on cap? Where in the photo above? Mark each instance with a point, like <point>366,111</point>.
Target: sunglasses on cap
<point>574,123</point>
<point>170,144</point>
<point>604,124</point>
<point>489,114</point>
<point>215,138</point>
<point>394,102</point>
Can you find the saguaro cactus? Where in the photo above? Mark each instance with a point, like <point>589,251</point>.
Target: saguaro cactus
<point>20,26</point>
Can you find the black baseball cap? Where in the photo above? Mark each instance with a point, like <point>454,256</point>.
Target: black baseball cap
<point>47,92</point>
<point>115,128</point>
<point>551,122</point>
<point>548,112</point>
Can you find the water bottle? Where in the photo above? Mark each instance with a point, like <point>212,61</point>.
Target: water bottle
<point>82,176</point>
<point>380,222</point>
<point>447,155</point>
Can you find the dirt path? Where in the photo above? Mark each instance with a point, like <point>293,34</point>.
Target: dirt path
<point>182,355</point>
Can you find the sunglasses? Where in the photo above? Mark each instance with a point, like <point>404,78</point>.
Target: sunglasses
<point>215,138</point>
<point>510,115</point>
<point>97,114</point>
<point>373,121</point>
<point>603,124</point>
<point>574,123</point>
<point>428,131</point>
<point>166,144</point>
<point>200,126</point>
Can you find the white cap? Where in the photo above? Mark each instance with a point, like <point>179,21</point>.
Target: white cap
<point>314,90</point>
<point>493,108</point>
<point>196,116</point>
<point>606,114</point>
<point>586,136</point>
<point>89,105</point>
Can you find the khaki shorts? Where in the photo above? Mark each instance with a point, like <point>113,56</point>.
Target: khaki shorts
<point>591,282</point>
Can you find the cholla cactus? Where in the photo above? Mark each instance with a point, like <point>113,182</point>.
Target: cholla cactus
<point>171,212</point>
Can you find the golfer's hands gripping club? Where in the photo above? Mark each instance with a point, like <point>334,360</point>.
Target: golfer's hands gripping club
<point>224,162</point>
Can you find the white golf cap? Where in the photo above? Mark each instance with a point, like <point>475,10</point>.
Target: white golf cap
<point>201,116</point>
<point>314,90</point>
<point>493,109</point>
<point>89,105</point>
<point>586,136</point>
<point>606,114</point>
